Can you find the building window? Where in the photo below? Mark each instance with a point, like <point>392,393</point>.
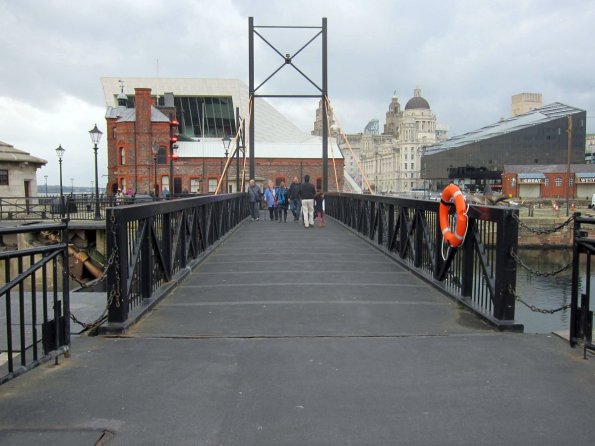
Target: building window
<point>194,185</point>
<point>123,185</point>
<point>319,183</point>
<point>547,181</point>
<point>405,166</point>
<point>558,181</point>
<point>122,156</point>
<point>570,181</point>
<point>205,116</point>
<point>164,183</point>
<point>212,184</point>
<point>162,155</point>
<point>412,167</point>
<point>3,177</point>
<point>114,132</point>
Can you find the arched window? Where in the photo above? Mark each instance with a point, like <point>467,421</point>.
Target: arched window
<point>122,156</point>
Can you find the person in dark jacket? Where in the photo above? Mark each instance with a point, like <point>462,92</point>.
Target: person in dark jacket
<point>294,199</point>
<point>307,192</point>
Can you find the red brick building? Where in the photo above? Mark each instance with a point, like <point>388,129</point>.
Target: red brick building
<point>549,181</point>
<point>138,132</point>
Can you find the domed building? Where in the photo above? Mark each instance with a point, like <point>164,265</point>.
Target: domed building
<point>392,161</point>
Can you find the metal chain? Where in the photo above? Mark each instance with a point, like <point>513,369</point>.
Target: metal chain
<point>89,325</point>
<point>542,231</point>
<point>535,308</point>
<point>114,294</point>
<point>535,272</point>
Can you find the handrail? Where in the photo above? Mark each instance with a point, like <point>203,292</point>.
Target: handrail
<point>152,246</point>
<point>481,274</point>
<point>35,296</point>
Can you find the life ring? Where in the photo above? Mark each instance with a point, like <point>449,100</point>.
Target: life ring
<point>456,238</point>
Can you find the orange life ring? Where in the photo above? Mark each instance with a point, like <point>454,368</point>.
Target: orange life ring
<point>452,192</point>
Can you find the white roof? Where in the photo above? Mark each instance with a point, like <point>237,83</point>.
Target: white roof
<point>213,148</point>
<point>270,124</point>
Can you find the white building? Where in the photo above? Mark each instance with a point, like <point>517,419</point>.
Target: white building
<point>18,171</point>
<point>392,161</point>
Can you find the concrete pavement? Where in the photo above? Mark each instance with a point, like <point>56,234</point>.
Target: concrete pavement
<point>292,336</point>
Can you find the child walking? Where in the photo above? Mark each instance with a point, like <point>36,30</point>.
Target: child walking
<point>319,208</point>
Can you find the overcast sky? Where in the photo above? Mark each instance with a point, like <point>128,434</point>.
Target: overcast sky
<point>467,56</point>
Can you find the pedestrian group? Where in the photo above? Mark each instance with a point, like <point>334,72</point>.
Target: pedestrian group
<point>300,198</point>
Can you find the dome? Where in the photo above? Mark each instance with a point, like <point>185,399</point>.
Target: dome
<point>417,102</point>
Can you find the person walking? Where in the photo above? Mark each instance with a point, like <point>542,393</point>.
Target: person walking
<point>270,195</point>
<point>282,201</point>
<point>294,199</point>
<point>307,192</point>
<point>319,209</point>
<point>254,197</point>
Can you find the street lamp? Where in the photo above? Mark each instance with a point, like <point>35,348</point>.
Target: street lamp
<point>60,153</point>
<point>95,134</point>
<point>155,150</point>
<point>226,142</point>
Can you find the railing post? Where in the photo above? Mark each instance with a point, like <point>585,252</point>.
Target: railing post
<point>574,327</point>
<point>402,232</point>
<point>380,214</point>
<point>182,245</point>
<point>467,264</point>
<point>506,242</point>
<point>166,244</point>
<point>438,260</point>
<point>65,287</point>
<point>391,226</point>
<point>116,280</point>
<point>146,266</point>
<point>418,237</point>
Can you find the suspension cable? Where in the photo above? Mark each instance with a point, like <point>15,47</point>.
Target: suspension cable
<point>230,159</point>
<point>359,167</point>
<point>332,148</point>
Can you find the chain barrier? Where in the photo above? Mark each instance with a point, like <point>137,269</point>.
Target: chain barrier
<point>114,294</point>
<point>542,231</point>
<point>536,272</point>
<point>534,308</point>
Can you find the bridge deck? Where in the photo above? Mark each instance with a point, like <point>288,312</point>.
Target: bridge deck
<point>287,336</point>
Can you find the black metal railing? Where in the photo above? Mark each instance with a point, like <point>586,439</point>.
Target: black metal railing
<point>481,274</point>
<point>72,206</point>
<point>34,299</point>
<point>151,246</point>
<point>581,316</point>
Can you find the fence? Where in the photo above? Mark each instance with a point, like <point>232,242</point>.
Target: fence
<point>74,207</point>
<point>481,274</point>
<point>152,246</point>
<point>35,324</point>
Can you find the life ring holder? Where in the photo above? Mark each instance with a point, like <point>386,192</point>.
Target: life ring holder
<point>452,196</point>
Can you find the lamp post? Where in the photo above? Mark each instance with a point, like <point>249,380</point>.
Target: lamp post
<point>60,153</point>
<point>226,142</point>
<point>95,134</point>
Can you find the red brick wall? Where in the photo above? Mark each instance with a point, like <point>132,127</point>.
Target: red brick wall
<point>137,138</point>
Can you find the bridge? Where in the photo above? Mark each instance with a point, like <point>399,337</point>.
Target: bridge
<point>227,331</point>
